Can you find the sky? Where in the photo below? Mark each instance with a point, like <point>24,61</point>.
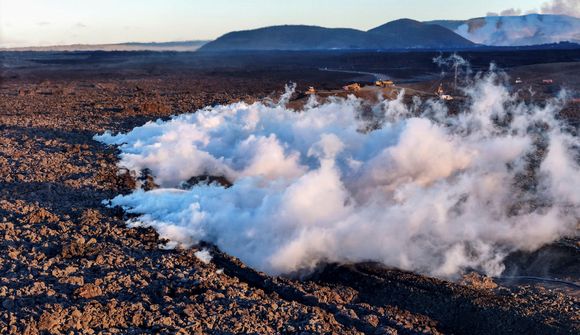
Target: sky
<point>62,22</point>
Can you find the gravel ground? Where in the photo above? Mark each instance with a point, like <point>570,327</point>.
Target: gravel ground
<point>70,266</point>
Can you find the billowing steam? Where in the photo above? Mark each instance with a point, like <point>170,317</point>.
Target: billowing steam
<point>558,7</point>
<point>564,7</point>
<point>457,65</point>
<point>340,181</point>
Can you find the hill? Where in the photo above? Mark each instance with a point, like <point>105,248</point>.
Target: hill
<point>291,37</point>
<point>400,34</point>
<point>408,33</point>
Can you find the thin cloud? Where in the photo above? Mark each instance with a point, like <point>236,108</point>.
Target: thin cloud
<point>511,12</point>
<point>507,12</point>
<point>80,25</point>
<point>561,7</point>
<point>565,7</point>
<point>43,23</point>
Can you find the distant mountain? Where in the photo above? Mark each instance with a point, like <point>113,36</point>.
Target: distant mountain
<point>291,38</point>
<point>408,33</point>
<point>530,29</point>
<point>129,46</point>
<point>400,34</point>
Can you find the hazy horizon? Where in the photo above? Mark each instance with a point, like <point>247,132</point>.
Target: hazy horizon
<point>29,23</point>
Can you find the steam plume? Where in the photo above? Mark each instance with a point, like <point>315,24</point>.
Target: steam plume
<point>565,7</point>
<point>411,187</point>
<point>560,7</point>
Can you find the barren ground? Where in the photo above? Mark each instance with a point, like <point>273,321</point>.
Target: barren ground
<point>69,265</point>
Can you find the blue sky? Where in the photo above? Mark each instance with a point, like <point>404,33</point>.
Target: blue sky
<point>51,22</point>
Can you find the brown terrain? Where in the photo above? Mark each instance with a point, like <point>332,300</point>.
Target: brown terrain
<point>69,265</point>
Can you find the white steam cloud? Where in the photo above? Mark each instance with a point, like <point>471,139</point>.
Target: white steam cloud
<point>565,7</point>
<point>341,181</point>
<point>506,12</point>
<point>559,7</point>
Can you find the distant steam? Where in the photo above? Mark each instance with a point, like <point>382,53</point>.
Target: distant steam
<point>559,7</point>
<point>506,12</point>
<point>564,7</point>
<point>408,186</point>
<point>456,64</point>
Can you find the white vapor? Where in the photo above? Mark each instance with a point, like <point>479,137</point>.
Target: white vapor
<point>564,7</point>
<point>558,7</point>
<point>342,182</point>
<point>203,255</point>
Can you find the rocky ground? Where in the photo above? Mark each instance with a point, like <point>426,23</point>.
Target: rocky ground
<point>69,265</point>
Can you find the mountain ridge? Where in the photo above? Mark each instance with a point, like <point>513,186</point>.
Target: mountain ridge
<point>398,34</point>
<point>539,30</point>
<point>192,45</point>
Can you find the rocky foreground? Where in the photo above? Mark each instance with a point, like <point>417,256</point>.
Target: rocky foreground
<point>70,265</point>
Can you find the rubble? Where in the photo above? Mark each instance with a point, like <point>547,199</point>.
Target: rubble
<point>478,281</point>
